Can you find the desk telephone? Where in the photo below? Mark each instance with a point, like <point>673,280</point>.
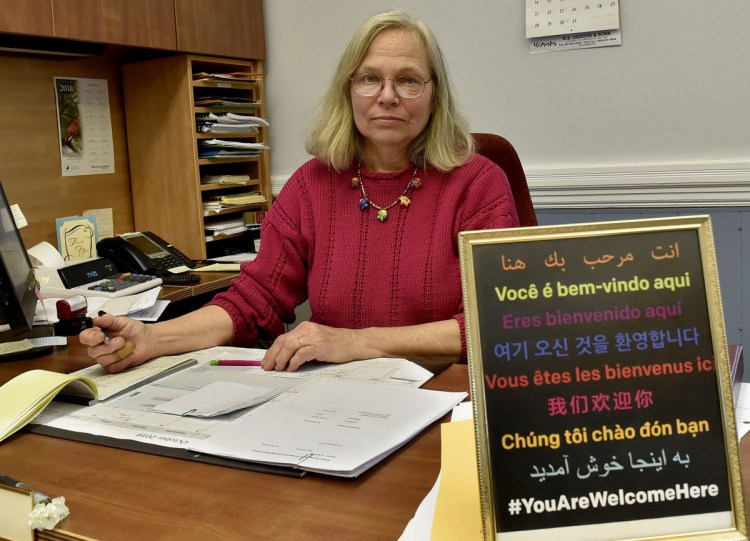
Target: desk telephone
<point>148,254</point>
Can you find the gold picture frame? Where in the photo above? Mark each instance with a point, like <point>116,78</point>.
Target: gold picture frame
<point>600,382</point>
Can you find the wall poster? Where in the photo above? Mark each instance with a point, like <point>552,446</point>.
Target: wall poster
<point>600,380</point>
<point>84,126</point>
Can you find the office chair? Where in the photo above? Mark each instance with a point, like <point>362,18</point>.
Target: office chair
<point>499,150</point>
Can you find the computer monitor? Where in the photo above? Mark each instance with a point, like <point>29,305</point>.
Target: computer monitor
<point>17,282</point>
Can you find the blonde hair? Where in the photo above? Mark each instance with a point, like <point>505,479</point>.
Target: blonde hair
<point>446,141</point>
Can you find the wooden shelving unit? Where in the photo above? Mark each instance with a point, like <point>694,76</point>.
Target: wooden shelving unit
<point>164,142</point>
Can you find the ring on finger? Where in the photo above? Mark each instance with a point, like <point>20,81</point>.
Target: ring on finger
<point>301,343</point>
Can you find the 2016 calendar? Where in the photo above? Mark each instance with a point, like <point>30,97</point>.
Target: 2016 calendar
<point>556,17</point>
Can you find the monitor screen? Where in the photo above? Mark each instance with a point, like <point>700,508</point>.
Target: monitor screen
<point>17,281</point>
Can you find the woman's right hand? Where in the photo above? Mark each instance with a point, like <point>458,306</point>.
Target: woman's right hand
<point>129,342</point>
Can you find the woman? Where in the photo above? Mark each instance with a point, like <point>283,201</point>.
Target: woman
<point>367,230</point>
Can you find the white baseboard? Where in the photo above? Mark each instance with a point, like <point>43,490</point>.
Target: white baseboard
<point>704,183</point>
<point>709,183</point>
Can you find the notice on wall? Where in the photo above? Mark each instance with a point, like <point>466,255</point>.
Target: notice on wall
<point>600,378</point>
<point>561,25</point>
<point>84,126</point>
<point>584,40</point>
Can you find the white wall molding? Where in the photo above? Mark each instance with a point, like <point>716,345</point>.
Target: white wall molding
<point>707,183</point>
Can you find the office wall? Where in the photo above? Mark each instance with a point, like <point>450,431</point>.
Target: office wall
<point>30,167</point>
<point>672,99</point>
<point>657,126</point>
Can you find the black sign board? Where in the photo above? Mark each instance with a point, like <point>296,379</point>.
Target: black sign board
<point>600,379</point>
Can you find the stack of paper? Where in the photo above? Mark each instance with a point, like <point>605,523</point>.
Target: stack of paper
<point>218,148</point>
<point>242,198</point>
<point>226,102</point>
<point>225,227</point>
<point>234,76</point>
<point>225,179</point>
<point>337,419</point>
<point>331,426</point>
<point>229,122</point>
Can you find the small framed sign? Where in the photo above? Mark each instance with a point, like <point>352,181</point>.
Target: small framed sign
<point>600,381</point>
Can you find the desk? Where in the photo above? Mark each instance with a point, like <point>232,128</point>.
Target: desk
<point>211,282</point>
<point>121,495</point>
<point>186,298</point>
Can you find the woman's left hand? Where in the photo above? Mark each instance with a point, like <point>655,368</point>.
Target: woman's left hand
<point>310,342</point>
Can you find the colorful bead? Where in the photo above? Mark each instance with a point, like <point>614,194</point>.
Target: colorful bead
<point>403,199</point>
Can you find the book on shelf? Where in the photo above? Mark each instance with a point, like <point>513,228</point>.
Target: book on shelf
<point>253,217</point>
<point>26,395</point>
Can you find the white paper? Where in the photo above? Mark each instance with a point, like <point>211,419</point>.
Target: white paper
<point>104,222</point>
<point>151,313</point>
<point>331,426</point>
<point>419,527</point>
<point>18,216</point>
<point>46,255</point>
<point>217,398</point>
<point>742,410</point>
<point>556,17</point>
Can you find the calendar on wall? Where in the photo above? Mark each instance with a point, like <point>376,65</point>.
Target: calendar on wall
<point>556,17</point>
<point>559,25</point>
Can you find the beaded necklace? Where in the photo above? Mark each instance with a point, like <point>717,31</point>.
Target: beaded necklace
<point>403,199</point>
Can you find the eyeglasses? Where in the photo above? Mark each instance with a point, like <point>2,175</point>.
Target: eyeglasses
<point>406,86</point>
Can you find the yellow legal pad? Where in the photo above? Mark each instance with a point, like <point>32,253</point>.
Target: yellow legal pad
<point>26,395</point>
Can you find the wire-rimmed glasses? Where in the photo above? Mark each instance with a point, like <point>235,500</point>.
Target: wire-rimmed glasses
<point>406,86</point>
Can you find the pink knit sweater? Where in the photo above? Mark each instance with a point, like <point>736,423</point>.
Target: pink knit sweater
<point>356,271</point>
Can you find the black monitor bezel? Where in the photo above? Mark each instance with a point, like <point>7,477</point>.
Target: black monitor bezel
<point>16,308</point>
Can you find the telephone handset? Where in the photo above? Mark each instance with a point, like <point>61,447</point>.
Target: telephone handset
<point>147,253</point>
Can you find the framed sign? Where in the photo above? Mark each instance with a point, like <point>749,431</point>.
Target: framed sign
<point>600,380</point>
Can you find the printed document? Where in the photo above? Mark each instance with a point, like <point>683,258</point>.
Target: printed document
<point>331,426</point>
<point>386,386</point>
